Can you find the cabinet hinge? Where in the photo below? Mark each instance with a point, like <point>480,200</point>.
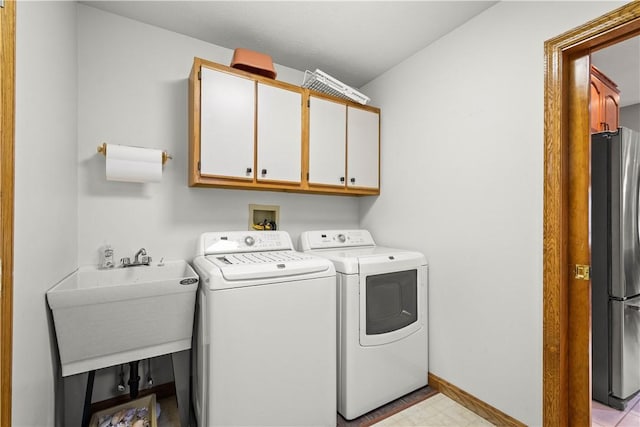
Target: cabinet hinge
<point>308,103</point>
<point>307,176</point>
<point>582,272</point>
<point>199,75</point>
<point>198,166</point>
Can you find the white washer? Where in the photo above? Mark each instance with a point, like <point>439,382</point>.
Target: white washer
<point>265,331</point>
<point>382,318</point>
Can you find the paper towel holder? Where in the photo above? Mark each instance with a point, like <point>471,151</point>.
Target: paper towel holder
<point>102,149</point>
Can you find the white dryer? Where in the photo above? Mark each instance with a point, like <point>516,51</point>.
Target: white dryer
<point>265,331</point>
<point>382,318</point>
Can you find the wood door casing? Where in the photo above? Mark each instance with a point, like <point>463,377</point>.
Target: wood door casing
<point>566,394</point>
<point>7,120</point>
<point>579,251</point>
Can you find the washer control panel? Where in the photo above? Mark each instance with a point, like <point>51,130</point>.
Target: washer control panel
<point>329,239</point>
<point>243,241</point>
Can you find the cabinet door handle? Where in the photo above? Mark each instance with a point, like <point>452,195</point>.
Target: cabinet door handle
<point>264,171</point>
<point>249,170</point>
<point>353,180</point>
<point>342,179</point>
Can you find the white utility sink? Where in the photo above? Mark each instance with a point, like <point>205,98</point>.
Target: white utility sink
<point>107,317</point>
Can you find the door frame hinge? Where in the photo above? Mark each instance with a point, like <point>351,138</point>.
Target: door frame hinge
<point>582,272</point>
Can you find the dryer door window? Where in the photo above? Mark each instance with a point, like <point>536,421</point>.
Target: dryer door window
<point>391,301</point>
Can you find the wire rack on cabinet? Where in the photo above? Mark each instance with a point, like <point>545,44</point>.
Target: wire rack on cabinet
<point>322,82</point>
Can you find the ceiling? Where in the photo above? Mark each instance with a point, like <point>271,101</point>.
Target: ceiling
<point>353,41</point>
<point>621,63</point>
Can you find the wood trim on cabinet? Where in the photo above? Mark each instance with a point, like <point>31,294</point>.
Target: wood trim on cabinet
<point>199,62</point>
<point>194,124</point>
<point>341,101</point>
<point>601,76</point>
<point>469,401</point>
<point>7,144</point>
<point>565,124</point>
<point>304,176</point>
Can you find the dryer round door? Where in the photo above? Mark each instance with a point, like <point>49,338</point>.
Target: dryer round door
<point>393,298</point>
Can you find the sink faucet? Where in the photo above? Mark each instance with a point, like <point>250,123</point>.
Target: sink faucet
<point>141,251</point>
<point>140,258</point>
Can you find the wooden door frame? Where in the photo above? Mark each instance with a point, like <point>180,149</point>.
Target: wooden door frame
<point>7,126</point>
<point>566,332</point>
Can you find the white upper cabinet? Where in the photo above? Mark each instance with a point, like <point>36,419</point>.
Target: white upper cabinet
<point>248,131</point>
<point>343,145</point>
<point>327,142</point>
<point>226,124</point>
<point>279,134</point>
<point>363,148</point>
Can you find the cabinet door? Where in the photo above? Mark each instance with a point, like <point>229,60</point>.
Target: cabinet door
<point>279,134</point>
<point>227,114</point>
<point>327,133</point>
<point>611,110</point>
<point>604,103</point>
<point>594,105</point>
<point>363,148</point>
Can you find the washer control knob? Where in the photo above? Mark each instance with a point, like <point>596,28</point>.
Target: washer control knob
<point>249,241</point>
<point>341,238</point>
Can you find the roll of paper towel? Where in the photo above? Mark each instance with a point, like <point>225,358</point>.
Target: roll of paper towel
<point>133,164</point>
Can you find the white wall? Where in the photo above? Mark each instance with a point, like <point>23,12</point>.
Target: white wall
<point>462,181</point>
<point>132,89</point>
<point>133,81</point>
<point>84,77</point>
<point>45,195</point>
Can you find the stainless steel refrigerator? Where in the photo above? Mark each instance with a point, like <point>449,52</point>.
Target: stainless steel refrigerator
<point>615,261</point>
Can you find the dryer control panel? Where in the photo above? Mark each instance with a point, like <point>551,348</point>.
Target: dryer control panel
<point>331,239</point>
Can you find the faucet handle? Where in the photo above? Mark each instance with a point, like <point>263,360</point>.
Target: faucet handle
<point>125,261</point>
<point>145,259</point>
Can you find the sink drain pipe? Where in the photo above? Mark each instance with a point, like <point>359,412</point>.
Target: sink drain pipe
<point>134,379</point>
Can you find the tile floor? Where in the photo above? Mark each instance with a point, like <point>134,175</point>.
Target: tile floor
<point>169,416</point>
<point>440,411</point>
<point>604,416</point>
<point>436,411</point>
